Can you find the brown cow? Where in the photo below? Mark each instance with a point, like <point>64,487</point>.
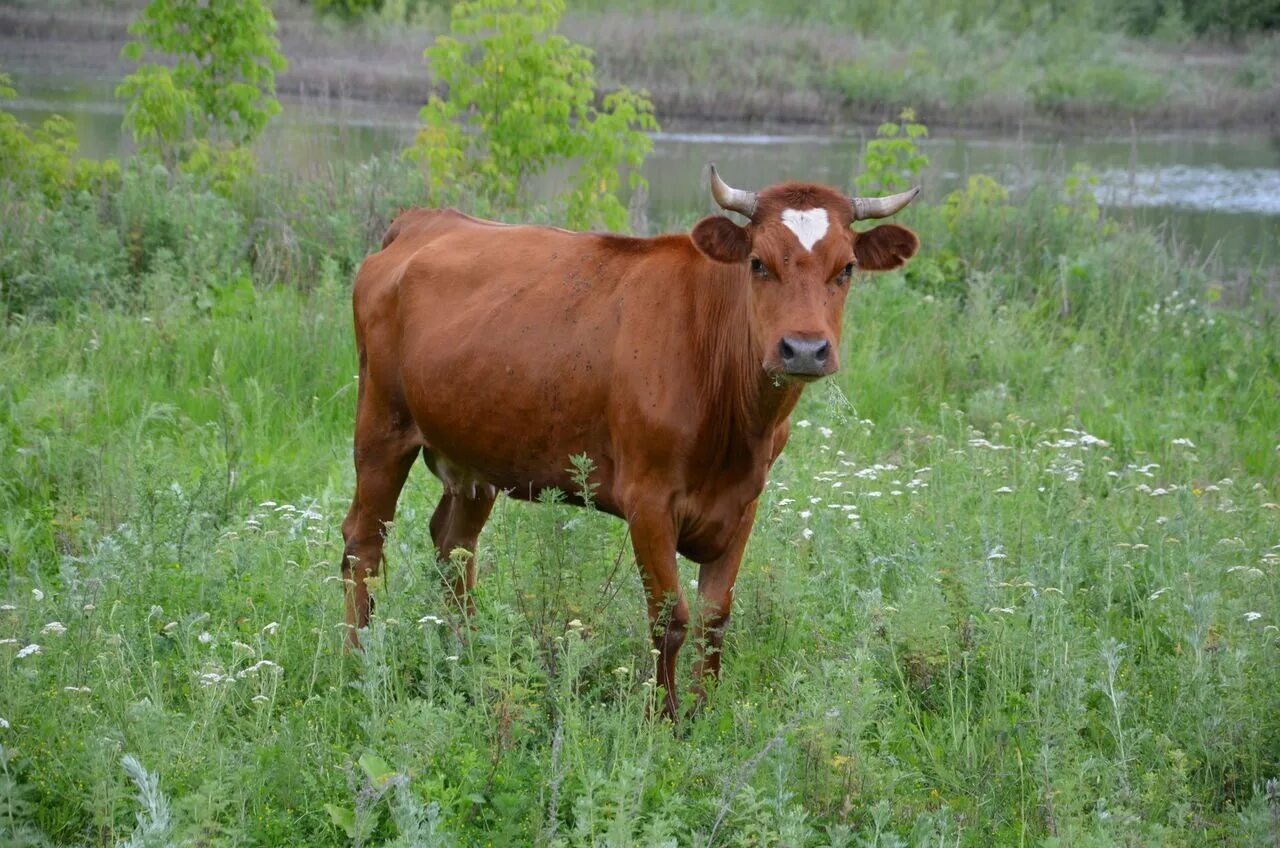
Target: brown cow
<point>673,362</point>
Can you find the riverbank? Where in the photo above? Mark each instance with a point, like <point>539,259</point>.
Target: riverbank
<point>758,72</point>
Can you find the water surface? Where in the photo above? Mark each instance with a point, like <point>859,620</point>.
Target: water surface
<point>1216,194</point>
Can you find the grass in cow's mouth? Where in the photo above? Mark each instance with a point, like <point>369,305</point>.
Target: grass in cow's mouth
<point>1014,579</point>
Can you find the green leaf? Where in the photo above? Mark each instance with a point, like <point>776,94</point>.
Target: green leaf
<point>377,769</point>
<point>343,818</point>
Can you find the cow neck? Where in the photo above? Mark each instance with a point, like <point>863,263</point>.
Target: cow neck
<point>750,403</point>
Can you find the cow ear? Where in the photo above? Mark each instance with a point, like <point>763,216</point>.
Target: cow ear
<point>885,247</point>
<point>721,239</point>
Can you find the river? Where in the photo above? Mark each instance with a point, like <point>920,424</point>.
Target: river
<point>1216,194</point>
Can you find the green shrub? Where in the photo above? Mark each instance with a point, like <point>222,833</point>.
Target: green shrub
<point>519,100</point>
<point>200,236</point>
<point>154,240</point>
<point>878,82</point>
<point>44,158</point>
<point>1088,84</point>
<point>54,255</point>
<point>347,10</point>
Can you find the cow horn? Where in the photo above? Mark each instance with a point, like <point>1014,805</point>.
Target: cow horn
<point>730,198</point>
<point>881,207</point>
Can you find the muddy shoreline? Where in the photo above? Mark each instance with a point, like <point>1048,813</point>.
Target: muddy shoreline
<point>368,67</point>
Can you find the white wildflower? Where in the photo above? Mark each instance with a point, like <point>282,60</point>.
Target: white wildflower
<point>435,619</point>
<point>872,494</point>
<point>997,553</point>
<point>1252,616</point>
<point>807,533</point>
<point>806,514</point>
<point>825,431</point>
<point>259,699</point>
<point>576,624</point>
<point>1154,596</point>
<point>33,648</point>
<point>451,658</point>
<point>7,608</point>
<point>55,628</point>
<point>81,690</point>
<point>1183,443</point>
<point>803,422</point>
<point>1004,490</point>
<point>622,671</point>
<point>271,628</point>
<point>4,725</point>
<point>258,666</point>
<point>205,638</point>
<point>37,594</point>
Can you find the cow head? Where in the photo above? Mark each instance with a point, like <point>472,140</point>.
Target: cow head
<point>799,252</point>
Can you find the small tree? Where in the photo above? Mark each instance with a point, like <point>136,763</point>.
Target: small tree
<point>220,93</point>
<point>893,160</point>
<point>521,98</point>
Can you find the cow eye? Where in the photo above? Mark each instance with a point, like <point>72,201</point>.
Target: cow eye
<point>845,274</point>
<point>757,267</point>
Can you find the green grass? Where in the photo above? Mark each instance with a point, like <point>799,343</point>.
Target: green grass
<point>962,618</point>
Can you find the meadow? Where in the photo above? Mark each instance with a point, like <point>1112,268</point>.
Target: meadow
<point>1015,580</point>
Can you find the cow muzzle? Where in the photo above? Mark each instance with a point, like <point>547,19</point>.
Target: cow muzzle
<point>805,358</point>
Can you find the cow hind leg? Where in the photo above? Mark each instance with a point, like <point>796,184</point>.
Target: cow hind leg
<point>455,529</point>
<point>386,444</point>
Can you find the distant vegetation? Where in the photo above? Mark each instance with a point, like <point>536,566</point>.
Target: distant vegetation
<point>1014,581</point>
<point>871,17</point>
<point>979,63</point>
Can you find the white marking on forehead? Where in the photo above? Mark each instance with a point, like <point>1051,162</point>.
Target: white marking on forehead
<point>809,225</point>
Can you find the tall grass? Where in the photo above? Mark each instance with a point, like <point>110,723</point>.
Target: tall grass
<point>1013,582</point>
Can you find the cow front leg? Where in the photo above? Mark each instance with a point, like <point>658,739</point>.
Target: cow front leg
<point>715,593</point>
<point>653,535</point>
<point>384,450</point>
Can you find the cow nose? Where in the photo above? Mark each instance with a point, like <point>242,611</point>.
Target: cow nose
<point>804,357</point>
